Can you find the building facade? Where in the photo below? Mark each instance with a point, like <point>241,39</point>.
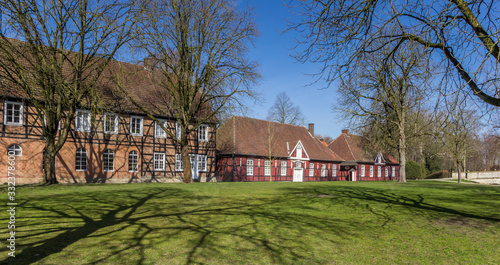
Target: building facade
<point>118,145</point>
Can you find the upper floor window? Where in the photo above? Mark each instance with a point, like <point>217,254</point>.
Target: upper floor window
<point>159,161</point>
<point>13,113</point>
<point>109,160</point>
<point>323,170</point>
<point>250,167</point>
<point>203,133</point>
<point>283,168</point>
<point>14,150</point>
<point>311,169</point>
<point>178,132</point>
<point>110,123</point>
<point>362,170</point>
<point>136,125</point>
<point>267,167</point>
<point>133,161</point>
<point>334,170</point>
<point>159,132</point>
<point>82,121</point>
<point>202,162</point>
<point>81,159</point>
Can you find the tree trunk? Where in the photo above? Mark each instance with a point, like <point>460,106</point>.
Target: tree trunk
<point>402,155</point>
<point>459,172</point>
<point>49,159</point>
<point>186,162</point>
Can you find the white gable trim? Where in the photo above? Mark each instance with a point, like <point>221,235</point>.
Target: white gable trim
<point>295,148</point>
<point>380,158</point>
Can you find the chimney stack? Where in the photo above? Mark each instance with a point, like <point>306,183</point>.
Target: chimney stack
<point>311,128</point>
<point>346,131</point>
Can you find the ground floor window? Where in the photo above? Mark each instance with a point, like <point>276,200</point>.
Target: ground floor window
<point>250,167</point>
<point>334,170</point>
<point>202,162</point>
<point>323,170</point>
<point>133,161</point>
<point>267,168</point>
<point>159,161</point>
<point>283,168</point>
<point>178,163</point>
<point>81,159</point>
<point>311,169</point>
<point>109,160</point>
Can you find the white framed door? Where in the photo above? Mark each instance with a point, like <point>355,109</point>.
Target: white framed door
<point>353,175</point>
<point>193,159</point>
<point>298,174</point>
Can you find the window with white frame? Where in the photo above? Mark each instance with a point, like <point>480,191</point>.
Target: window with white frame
<point>178,131</point>
<point>387,171</point>
<point>159,132</point>
<point>371,171</point>
<point>109,160</point>
<point>393,171</point>
<point>178,163</point>
<point>82,121</point>
<point>379,171</point>
<point>323,170</point>
<point>362,170</point>
<point>202,162</point>
<point>249,167</point>
<point>159,161</point>
<point>283,168</point>
<point>81,159</point>
<point>334,170</point>
<point>14,150</point>
<point>203,133</point>
<point>267,168</point>
<point>133,161</point>
<point>13,113</point>
<point>311,169</point>
<point>110,123</point>
<point>136,125</point>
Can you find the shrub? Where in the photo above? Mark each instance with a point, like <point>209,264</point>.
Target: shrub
<point>439,175</point>
<point>414,170</point>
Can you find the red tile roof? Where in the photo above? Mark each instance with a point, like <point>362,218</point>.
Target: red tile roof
<point>248,136</point>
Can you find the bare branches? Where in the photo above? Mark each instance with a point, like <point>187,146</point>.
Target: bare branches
<point>284,111</point>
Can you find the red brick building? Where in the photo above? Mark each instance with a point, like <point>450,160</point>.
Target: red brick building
<point>359,163</point>
<point>257,150</point>
<point>128,147</point>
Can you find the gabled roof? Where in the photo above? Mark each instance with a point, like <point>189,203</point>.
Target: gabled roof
<point>248,136</point>
<point>350,148</point>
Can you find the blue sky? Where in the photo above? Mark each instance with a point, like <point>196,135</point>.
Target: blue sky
<point>281,73</point>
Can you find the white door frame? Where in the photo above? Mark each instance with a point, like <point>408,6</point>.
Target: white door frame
<point>193,158</point>
<point>298,174</point>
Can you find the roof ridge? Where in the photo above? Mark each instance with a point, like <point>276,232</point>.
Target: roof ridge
<point>275,122</point>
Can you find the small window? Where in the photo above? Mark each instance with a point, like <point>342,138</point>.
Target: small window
<point>109,160</point>
<point>250,167</point>
<point>311,169</point>
<point>386,171</point>
<point>178,132</point>
<point>379,171</point>
<point>13,113</point>
<point>323,170</point>
<point>393,171</point>
<point>362,170</point>
<point>159,161</point>
<point>283,168</point>
<point>110,123</point>
<point>14,150</point>
<point>133,161</point>
<point>203,133</point>
<point>371,171</point>
<point>334,170</point>
<point>82,121</point>
<point>136,125</point>
<point>267,168</point>
<point>178,163</point>
<point>159,132</point>
<point>202,162</point>
<point>81,159</point>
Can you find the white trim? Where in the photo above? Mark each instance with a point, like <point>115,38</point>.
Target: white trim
<point>79,126</point>
<point>250,166</point>
<point>115,123</point>
<point>379,171</point>
<point>371,171</point>
<point>323,170</point>
<point>178,163</point>
<point>311,169</point>
<point>137,161</point>
<point>141,127</point>
<point>203,137</point>
<point>334,170</point>
<point>202,163</point>
<point>159,132</point>
<point>160,160</point>
<point>86,159</point>
<point>178,132</point>
<point>267,167</point>
<point>113,161</point>
<point>21,113</point>
<point>283,168</point>
<point>362,168</point>
<point>393,171</point>
<point>296,157</point>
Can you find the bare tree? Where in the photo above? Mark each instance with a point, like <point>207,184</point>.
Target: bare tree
<point>197,50</point>
<point>463,35</point>
<point>63,47</point>
<point>284,111</point>
<point>389,93</point>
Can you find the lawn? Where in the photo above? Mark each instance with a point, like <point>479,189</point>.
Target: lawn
<point>256,223</point>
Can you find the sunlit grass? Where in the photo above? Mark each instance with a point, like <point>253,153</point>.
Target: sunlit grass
<point>257,223</point>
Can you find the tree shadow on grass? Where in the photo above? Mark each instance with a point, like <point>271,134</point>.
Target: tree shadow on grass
<point>170,225</point>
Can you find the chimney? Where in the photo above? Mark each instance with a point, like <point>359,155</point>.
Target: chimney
<point>311,128</point>
<point>346,131</point>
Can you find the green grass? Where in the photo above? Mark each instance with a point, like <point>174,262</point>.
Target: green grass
<point>256,223</point>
